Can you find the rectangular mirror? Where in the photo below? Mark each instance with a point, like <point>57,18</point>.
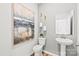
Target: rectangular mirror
<point>64,25</point>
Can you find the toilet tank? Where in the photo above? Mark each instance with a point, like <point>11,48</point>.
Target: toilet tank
<point>42,41</point>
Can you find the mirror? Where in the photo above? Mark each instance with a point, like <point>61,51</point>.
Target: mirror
<point>64,24</point>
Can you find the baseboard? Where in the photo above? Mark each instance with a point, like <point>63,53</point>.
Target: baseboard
<point>49,53</point>
<point>46,53</point>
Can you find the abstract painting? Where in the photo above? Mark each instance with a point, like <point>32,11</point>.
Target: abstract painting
<point>23,24</point>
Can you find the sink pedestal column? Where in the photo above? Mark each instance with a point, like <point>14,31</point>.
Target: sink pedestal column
<point>63,50</point>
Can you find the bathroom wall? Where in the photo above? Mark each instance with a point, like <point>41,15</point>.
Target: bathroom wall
<point>5,30</point>
<point>78,29</point>
<point>6,34</point>
<point>78,23</point>
<point>51,10</point>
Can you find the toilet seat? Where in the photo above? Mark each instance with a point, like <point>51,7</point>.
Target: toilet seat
<point>37,48</point>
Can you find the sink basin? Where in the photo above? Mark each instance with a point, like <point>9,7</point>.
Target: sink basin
<point>64,41</point>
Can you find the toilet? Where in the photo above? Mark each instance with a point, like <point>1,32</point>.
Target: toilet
<point>39,47</point>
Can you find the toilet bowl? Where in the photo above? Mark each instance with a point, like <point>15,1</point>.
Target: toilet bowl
<point>38,50</point>
<point>39,47</point>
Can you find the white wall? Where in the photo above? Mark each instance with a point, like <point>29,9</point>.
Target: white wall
<point>78,29</point>
<point>78,22</point>
<point>5,29</point>
<point>51,10</point>
<point>6,36</point>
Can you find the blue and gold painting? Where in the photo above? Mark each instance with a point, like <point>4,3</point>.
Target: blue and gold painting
<point>23,29</point>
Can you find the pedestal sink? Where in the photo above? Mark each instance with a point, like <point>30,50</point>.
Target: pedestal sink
<point>63,42</point>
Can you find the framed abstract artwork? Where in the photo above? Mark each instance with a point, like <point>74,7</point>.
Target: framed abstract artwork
<point>23,22</point>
